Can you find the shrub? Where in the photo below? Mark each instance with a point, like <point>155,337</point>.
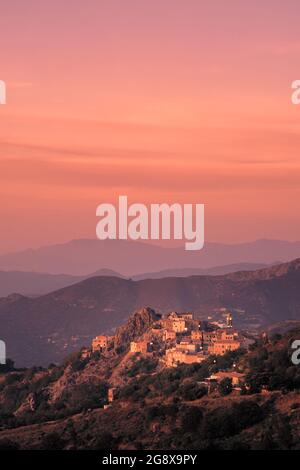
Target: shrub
<point>142,366</point>
<point>224,422</point>
<point>225,386</point>
<point>191,391</point>
<point>85,395</point>
<point>191,419</point>
<point>8,367</point>
<point>52,441</point>
<point>160,411</point>
<point>7,444</point>
<point>79,364</point>
<point>103,441</point>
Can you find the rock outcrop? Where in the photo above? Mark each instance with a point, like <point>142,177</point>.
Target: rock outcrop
<point>135,327</point>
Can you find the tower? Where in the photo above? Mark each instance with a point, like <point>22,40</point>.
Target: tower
<point>229,320</point>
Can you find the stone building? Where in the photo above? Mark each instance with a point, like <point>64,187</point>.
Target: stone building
<point>187,346</point>
<point>176,356</point>
<point>140,347</point>
<point>100,343</point>
<point>220,347</point>
<point>236,377</point>
<point>180,322</point>
<point>226,334</point>
<point>196,335</point>
<point>111,394</point>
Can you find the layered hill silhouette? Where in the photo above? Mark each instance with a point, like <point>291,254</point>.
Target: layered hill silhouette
<point>82,257</point>
<point>34,284</point>
<point>44,329</point>
<point>214,271</point>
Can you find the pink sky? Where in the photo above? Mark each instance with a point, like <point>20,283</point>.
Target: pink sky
<point>170,101</point>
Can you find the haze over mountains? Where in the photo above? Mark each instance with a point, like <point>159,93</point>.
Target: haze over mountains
<point>44,329</point>
<point>82,257</point>
<point>214,271</point>
<point>33,284</point>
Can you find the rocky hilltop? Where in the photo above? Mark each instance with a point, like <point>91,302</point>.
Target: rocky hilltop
<point>136,326</point>
<point>123,400</point>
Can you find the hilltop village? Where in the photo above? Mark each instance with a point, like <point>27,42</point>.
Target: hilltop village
<point>179,338</point>
<point>159,382</point>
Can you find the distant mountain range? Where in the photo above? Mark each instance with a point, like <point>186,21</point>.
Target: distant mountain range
<point>214,271</point>
<point>43,329</point>
<point>34,284</point>
<point>82,257</point>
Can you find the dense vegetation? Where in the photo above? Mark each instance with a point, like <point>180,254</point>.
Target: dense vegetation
<point>162,408</point>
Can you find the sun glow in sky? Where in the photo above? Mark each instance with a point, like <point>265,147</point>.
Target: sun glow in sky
<point>164,101</point>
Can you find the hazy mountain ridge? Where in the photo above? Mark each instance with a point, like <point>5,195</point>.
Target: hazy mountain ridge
<point>44,329</point>
<point>82,257</point>
<point>36,284</point>
<point>213,271</point>
<point>269,272</point>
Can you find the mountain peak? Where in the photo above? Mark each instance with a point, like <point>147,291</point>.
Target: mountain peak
<point>137,324</point>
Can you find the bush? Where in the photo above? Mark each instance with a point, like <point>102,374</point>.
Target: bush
<point>79,364</point>
<point>224,422</point>
<point>191,391</point>
<point>52,441</point>
<point>142,366</point>
<point>191,419</point>
<point>104,441</point>
<point>8,367</point>
<point>12,378</point>
<point>225,386</point>
<point>7,444</point>
<point>160,411</point>
<point>85,395</point>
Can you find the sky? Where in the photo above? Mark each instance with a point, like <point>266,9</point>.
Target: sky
<point>163,101</point>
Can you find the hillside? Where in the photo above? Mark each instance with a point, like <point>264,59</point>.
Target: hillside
<point>154,407</point>
<point>33,284</point>
<point>44,329</point>
<point>187,272</point>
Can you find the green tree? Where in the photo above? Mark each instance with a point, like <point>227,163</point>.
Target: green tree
<point>225,386</point>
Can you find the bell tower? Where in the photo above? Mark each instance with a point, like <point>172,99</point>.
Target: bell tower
<point>229,320</point>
